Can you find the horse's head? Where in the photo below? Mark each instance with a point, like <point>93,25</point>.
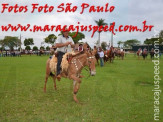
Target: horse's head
<point>91,60</point>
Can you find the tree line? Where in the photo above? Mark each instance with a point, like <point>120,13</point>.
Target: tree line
<point>131,42</point>
<point>15,42</point>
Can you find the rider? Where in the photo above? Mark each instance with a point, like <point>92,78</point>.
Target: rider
<point>140,51</point>
<point>121,49</point>
<point>62,43</point>
<point>108,47</point>
<point>152,50</point>
<point>145,49</point>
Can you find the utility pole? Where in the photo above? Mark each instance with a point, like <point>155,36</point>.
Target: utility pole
<point>20,43</point>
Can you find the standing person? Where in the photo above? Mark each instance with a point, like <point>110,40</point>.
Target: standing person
<point>62,43</point>
<point>101,55</point>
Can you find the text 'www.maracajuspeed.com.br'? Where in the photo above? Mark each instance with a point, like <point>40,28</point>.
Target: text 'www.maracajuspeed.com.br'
<point>76,28</point>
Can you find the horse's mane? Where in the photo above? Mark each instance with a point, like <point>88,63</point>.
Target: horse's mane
<point>79,55</point>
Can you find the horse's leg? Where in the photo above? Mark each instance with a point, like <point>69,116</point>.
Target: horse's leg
<point>97,62</point>
<point>75,90</point>
<point>76,85</point>
<point>54,80</point>
<point>46,79</point>
<point>47,74</point>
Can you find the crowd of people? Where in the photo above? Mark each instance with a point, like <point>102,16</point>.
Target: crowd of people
<point>16,53</point>
<point>10,53</point>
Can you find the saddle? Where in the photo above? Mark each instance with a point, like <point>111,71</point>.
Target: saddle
<point>66,60</point>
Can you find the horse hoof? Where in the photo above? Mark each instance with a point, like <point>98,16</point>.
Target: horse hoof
<point>76,100</point>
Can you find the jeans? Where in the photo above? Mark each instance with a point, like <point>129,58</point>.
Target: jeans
<point>59,58</point>
<point>101,62</point>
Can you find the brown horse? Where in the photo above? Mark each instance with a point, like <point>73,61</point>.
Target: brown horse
<point>110,54</point>
<point>75,66</point>
<point>97,58</point>
<point>144,54</point>
<point>152,54</point>
<point>119,53</point>
<point>105,56</point>
<point>122,54</point>
<point>139,53</point>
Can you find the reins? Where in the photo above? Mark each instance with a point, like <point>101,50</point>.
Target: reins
<point>76,66</point>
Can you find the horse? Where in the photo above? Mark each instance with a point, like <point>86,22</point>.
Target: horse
<point>139,53</point>
<point>152,54</point>
<point>96,55</point>
<point>110,54</point>
<point>144,54</point>
<point>106,58</point>
<point>75,65</point>
<point>119,54</point>
<point>97,58</point>
<point>122,54</point>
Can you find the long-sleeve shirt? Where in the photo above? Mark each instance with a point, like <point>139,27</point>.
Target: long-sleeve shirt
<point>101,54</point>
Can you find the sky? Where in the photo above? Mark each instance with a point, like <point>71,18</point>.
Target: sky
<point>126,12</point>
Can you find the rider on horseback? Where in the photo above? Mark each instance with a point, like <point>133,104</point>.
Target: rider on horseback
<point>63,43</point>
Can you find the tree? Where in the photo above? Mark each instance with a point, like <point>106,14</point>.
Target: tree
<point>131,42</point>
<point>27,47</point>
<point>152,40</point>
<point>161,37</point>
<point>28,42</point>
<point>50,39</point>
<point>47,48</point>
<point>78,37</point>
<point>100,22</point>
<point>161,34</point>
<point>19,49</point>
<point>10,42</point>
<point>42,48</point>
<point>103,45</point>
<point>35,48</point>
<point>120,43</point>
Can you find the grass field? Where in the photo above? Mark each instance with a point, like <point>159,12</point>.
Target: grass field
<point>121,91</point>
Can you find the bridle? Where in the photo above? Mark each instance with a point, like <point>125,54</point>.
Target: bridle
<point>75,60</point>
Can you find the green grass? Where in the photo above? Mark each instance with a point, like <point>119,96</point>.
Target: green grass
<point>121,91</point>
